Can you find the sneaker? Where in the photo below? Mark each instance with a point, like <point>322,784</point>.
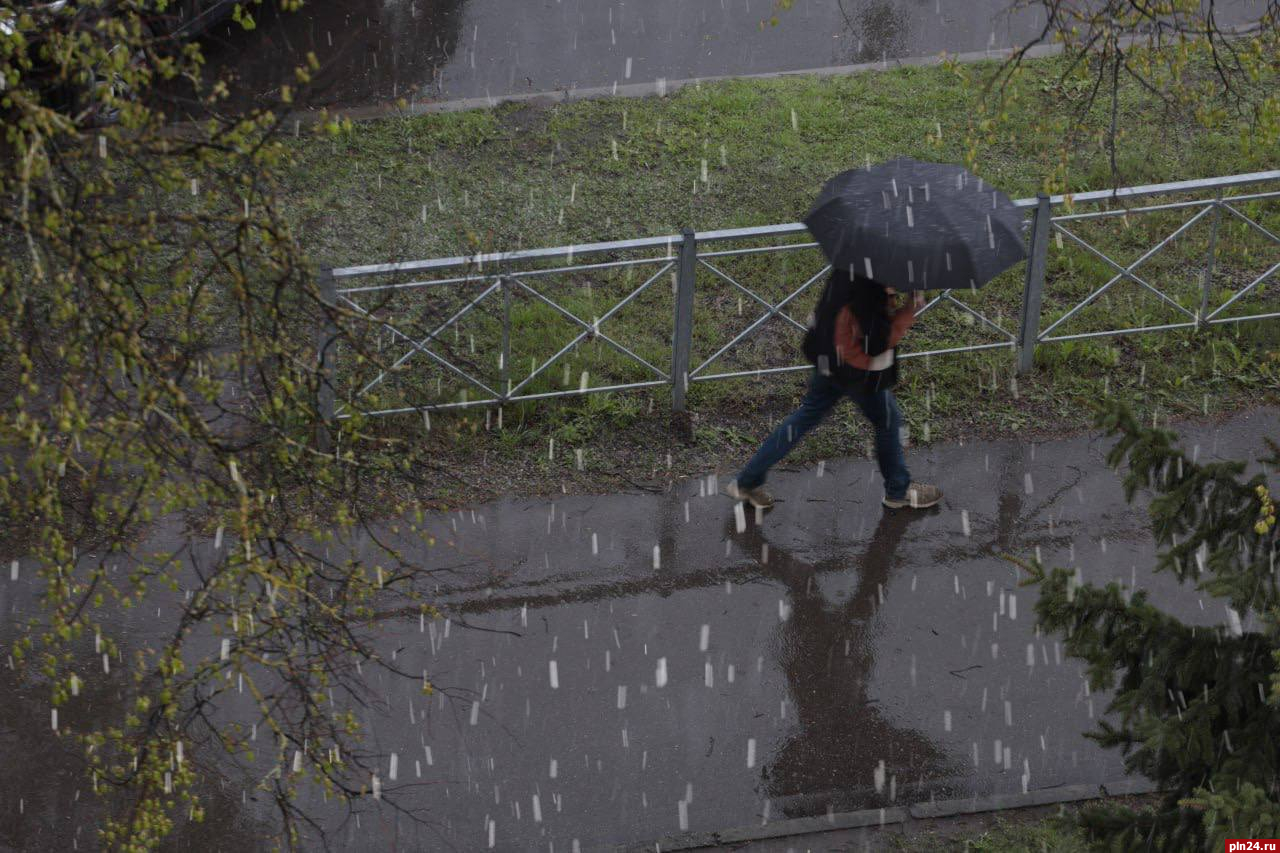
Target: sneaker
<point>918,496</point>
<point>757,497</point>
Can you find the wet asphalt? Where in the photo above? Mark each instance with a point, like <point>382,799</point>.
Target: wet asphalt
<point>618,668</point>
<point>440,50</point>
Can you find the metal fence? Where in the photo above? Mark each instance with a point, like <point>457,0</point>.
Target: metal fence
<point>695,261</point>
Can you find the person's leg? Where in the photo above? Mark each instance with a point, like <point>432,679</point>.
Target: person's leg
<point>821,396</point>
<point>882,410</point>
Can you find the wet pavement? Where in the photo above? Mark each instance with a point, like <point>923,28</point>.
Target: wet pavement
<point>441,50</point>
<point>625,667</point>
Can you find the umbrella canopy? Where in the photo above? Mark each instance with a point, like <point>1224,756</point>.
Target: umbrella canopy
<point>917,226</point>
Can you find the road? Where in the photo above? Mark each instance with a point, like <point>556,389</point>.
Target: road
<point>598,691</point>
<point>441,50</point>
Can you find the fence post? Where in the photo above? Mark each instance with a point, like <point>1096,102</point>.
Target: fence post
<point>682,339</point>
<point>1208,269</point>
<point>326,340</point>
<point>504,377</point>
<point>1033,290</point>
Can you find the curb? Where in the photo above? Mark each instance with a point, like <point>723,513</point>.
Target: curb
<point>1044,797</point>
<point>661,86</point>
<point>891,816</point>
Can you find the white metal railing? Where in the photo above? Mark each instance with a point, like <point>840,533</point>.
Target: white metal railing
<point>506,274</point>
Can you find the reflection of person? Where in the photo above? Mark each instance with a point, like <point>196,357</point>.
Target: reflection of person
<point>852,344</point>
<point>827,654</point>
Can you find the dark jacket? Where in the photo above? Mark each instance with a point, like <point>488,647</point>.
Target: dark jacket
<point>835,345</point>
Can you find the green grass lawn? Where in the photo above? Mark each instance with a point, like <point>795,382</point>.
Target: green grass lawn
<point>507,174</point>
<point>741,153</point>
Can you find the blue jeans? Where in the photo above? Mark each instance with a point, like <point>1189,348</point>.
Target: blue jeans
<point>881,410</point>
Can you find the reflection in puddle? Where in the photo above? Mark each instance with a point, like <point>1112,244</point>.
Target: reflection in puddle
<point>832,657</point>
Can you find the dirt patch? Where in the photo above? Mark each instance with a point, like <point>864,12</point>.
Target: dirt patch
<point>527,122</point>
<point>654,451</point>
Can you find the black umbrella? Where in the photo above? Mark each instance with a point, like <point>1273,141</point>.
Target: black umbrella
<point>917,226</point>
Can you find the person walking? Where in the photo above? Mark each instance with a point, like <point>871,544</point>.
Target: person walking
<point>902,225</point>
<point>852,342</point>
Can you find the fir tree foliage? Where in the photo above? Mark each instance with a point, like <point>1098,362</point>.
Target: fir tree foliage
<point>1195,709</point>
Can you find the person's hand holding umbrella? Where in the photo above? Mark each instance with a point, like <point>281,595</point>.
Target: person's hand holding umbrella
<point>918,298</point>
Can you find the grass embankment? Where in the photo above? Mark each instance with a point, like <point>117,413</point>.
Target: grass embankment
<point>745,153</point>
<point>1034,829</point>
<point>1002,834</point>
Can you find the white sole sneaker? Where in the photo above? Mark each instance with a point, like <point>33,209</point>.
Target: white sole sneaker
<point>748,496</point>
<point>911,502</point>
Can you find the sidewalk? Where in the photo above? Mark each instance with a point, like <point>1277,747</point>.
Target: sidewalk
<point>828,658</point>
<point>652,672</point>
